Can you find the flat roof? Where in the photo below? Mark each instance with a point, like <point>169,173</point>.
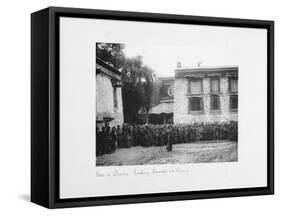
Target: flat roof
<point>107,66</point>
<point>184,72</point>
<point>166,78</point>
<point>161,80</point>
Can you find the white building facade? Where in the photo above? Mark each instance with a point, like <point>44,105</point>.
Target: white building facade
<point>206,95</point>
<point>109,105</point>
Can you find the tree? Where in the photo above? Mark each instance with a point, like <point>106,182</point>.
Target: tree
<point>111,53</point>
<point>137,88</point>
<point>137,79</point>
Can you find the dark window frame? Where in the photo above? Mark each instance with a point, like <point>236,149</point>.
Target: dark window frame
<point>211,84</point>
<point>219,103</point>
<point>229,83</point>
<point>201,111</point>
<point>231,109</point>
<point>195,79</point>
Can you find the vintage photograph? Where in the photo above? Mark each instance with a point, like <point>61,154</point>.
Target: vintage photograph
<point>164,109</point>
<point>132,107</point>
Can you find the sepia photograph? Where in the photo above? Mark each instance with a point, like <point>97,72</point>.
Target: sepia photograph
<point>174,108</point>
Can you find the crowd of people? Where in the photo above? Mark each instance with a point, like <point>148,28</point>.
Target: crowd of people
<point>109,138</point>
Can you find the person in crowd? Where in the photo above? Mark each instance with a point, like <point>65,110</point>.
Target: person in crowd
<point>108,139</point>
<point>169,145</point>
<point>186,134</point>
<point>125,136</point>
<point>119,133</point>
<point>140,136</point>
<point>181,134</point>
<point>134,135</point>
<point>98,142</point>
<point>147,139</point>
<point>113,136</point>
<point>129,136</point>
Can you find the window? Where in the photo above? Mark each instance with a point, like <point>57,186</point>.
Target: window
<point>215,102</point>
<point>233,102</point>
<point>195,86</point>
<point>215,84</point>
<point>115,101</point>
<point>233,84</point>
<point>196,104</point>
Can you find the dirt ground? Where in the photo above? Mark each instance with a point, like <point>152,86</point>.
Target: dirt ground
<point>201,152</point>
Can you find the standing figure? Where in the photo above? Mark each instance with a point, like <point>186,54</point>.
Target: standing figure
<point>197,132</point>
<point>119,136</point>
<point>129,137</point>
<point>186,139</point>
<point>134,136</point>
<point>161,137</point>
<point>181,134</point>
<point>113,136</point>
<point>125,136</point>
<point>147,136</point>
<point>141,137</point>
<point>102,140</point>
<point>108,141</point>
<point>98,142</point>
<point>169,146</point>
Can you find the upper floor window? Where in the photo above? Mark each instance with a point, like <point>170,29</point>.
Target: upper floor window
<point>233,84</point>
<point>215,84</point>
<point>195,86</point>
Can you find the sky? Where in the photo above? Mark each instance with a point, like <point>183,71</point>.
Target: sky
<point>162,45</point>
<point>161,49</point>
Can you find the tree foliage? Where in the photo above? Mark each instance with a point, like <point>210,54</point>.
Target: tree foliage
<point>137,88</point>
<point>111,53</point>
<point>137,79</point>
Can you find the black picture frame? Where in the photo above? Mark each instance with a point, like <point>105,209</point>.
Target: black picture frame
<point>45,106</point>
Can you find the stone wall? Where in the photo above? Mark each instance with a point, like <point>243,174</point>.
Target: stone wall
<point>105,101</point>
<point>181,114</point>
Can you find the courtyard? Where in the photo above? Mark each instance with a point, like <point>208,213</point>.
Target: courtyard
<point>199,152</point>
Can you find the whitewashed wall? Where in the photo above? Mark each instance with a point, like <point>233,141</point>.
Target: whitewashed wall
<point>105,102</point>
<point>181,114</point>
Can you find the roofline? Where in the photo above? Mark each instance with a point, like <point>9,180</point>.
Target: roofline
<point>181,73</point>
<point>109,67</point>
<point>166,78</point>
<point>218,68</point>
<point>160,80</point>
